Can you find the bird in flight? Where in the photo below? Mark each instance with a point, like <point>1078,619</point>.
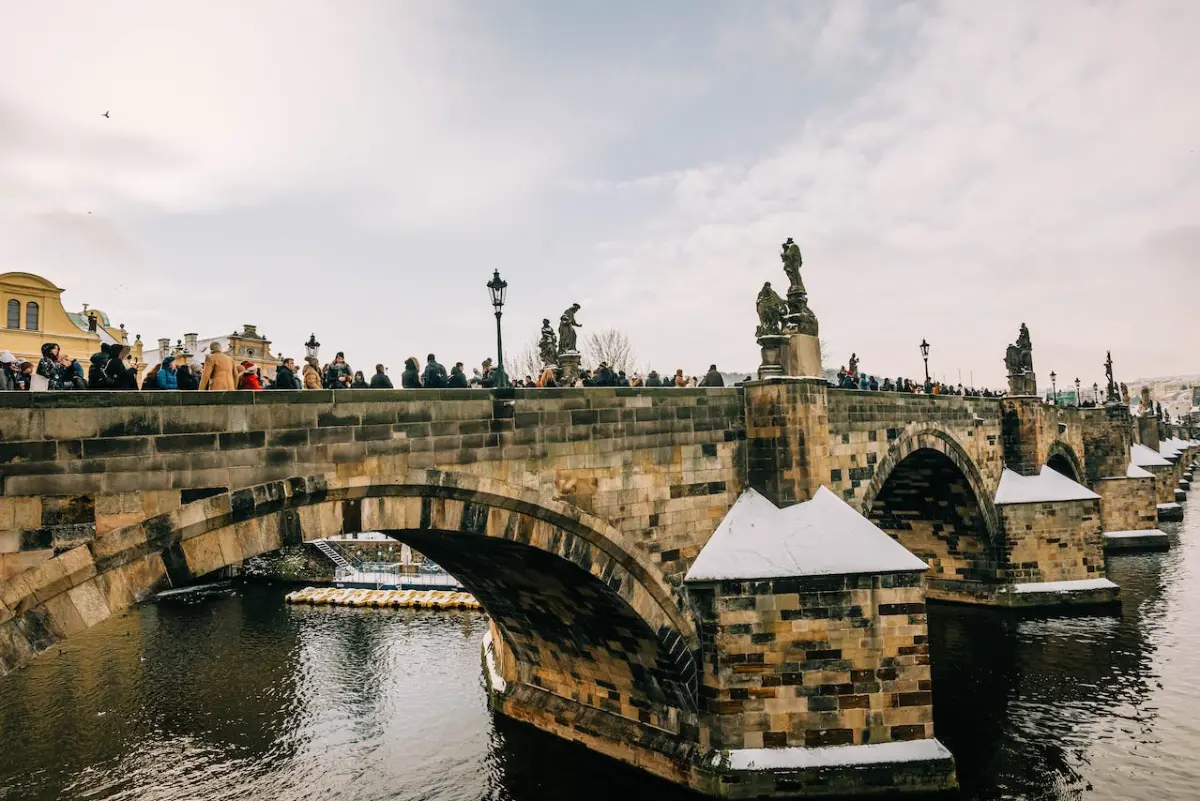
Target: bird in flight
<point>105,114</point>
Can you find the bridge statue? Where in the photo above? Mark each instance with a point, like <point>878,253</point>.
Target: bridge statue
<point>1019,361</point>
<point>1147,404</point>
<point>548,344</point>
<point>854,364</point>
<point>567,339</point>
<point>771,311</point>
<point>792,261</point>
<point>1124,393</point>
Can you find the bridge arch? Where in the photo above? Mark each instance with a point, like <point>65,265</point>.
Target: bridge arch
<point>928,494</point>
<point>1061,458</point>
<point>581,613</point>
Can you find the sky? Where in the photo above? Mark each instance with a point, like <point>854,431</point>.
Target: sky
<point>358,170</point>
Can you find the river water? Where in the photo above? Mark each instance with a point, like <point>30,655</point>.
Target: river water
<point>235,695</point>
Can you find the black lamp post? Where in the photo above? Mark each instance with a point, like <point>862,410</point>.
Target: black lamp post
<point>1054,386</point>
<point>312,346</point>
<point>1096,393</point>
<point>1078,399</point>
<point>925,356</point>
<point>498,288</point>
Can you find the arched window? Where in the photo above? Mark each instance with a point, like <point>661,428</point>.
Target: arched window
<point>14,314</point>
<point>31,316</point>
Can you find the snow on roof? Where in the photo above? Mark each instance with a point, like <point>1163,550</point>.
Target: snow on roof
<point>1169,449</point>
<point>1142,456</point>
<point>824,536</point>
<point>1049,485</point>
<point>1137,472</point>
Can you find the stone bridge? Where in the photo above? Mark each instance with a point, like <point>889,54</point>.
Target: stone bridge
<point>575,516</point>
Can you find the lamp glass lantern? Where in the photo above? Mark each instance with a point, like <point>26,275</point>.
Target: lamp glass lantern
<point>498,288</point>
<point>312,346</point>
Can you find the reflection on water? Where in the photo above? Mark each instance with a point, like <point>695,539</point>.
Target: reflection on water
<point>236,695</point>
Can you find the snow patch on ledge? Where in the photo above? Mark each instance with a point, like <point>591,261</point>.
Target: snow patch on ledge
<point>1142,456</point>
<point>820,537</point>
<point>1047,486</point>
<point>1168,507</point>
<point>1080,585</point>
<point>833,756</point>
<point>1137,472</point>
<point>1152,533</point>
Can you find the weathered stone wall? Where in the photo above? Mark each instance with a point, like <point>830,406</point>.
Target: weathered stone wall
<point>1107,437</point>
<point>812,662</point>
<point>866,428</point>
<point>1052,541</point>
<point>787,425</point>
<point>1033,431</point>
<point>1127,504</point>
<point>662,464</point>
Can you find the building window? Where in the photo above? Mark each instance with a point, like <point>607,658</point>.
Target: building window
<point>31,316</point>
<point>249,351</point>
<point>14,314</point>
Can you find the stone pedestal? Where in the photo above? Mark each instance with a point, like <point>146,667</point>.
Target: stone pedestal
<point>1024,383</point>
<point>816,676</point>
<point>1148,431</point>
<point>568,368</point>
<point>803,356</point>
<point>774,348</point>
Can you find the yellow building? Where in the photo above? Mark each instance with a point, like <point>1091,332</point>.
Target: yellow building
<point>34,315</point>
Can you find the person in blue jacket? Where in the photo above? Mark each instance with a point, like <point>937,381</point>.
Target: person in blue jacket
<point>167,377</point>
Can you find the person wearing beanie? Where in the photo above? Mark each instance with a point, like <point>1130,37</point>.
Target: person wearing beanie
<point>338,375</point>
<point>168,376</point>
<point>249,377</point>
<point>312,373</point>
<point>8,379</point>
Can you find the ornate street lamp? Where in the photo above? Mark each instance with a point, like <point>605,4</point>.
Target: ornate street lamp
<point>925,356</point>
<point>1054,386</point>
<point>498,288</point>
<point>312,346</point>
<point>1078,398</point>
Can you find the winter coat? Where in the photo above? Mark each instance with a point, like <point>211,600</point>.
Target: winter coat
<point>435,376</point>
<point>712,379</point>
<point>312,377</point>
<point>653,380</point>
<point>220,372</point>
<point>186,378</point>
<point>249,380</point>
<point>359,383</point>
<point>117,374</point>
<point>49,368</point>
<point>410,378</point>
<point>96,378</point>
<point>604,378</point>
<point>286,379</point>
<point>458,379</point>
<point>334,374</point>
<point>8,382</point>
<point>381,381</point>
<point>167,379</point>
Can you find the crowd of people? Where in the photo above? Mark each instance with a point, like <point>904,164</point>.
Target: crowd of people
<point>852,379</point>
<point>112,368</point>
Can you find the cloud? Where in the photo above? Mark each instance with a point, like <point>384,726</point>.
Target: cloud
<point>949,169</point>
<point>1001,166</point>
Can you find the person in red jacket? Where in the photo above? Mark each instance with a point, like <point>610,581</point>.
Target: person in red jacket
<point>249,377</point>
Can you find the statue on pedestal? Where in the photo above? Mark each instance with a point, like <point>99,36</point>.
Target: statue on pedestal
<point>771,311</point>
<point>1018,359</point>
<point>548,344</point>
<point>1125,394</point>
<point>792,261</point>
<point>1146,407</point>
<point>854,364</point>
<point>567,339</point>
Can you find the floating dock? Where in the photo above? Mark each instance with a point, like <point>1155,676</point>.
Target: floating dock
<point>421,599</point>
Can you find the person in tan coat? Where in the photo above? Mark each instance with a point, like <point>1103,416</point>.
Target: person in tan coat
<point>220,371</point>
<point>312,373</point>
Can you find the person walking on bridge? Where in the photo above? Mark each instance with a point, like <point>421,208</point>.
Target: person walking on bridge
<point>220,372</point>
<point>380,380</point>
<point>285,376</point>
<point>312,373</point>
<point>712,378</point>
<point>435,374</point>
